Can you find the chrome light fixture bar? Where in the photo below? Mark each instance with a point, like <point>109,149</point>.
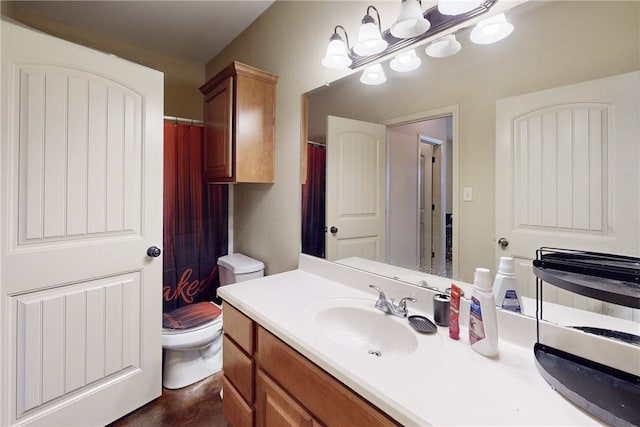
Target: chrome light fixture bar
<point>439,23</point>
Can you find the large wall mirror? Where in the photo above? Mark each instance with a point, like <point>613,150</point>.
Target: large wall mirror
<point>444,202</point>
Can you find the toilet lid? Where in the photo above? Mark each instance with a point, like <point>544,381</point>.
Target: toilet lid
<point>190,316</point>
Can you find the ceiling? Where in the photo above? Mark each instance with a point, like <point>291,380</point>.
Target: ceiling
<point>189,30</point>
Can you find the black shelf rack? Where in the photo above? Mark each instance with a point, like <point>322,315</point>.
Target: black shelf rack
<point>606,277</point>
<point>607,393</point>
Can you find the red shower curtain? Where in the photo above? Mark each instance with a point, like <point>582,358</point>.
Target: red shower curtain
<point>195,220</point>
<point>313,208</point>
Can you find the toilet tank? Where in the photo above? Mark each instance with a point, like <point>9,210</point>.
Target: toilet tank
<point>236,268</point>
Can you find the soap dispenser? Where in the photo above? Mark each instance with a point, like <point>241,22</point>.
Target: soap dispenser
<point>505,286</point>
<point>483,322</point>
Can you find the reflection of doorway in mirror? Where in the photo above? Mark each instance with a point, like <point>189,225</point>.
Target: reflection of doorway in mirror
<point>436,246</point>
<point>420,171</point>
<point>426,206</point>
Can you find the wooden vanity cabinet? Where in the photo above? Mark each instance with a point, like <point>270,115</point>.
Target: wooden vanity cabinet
<point>239,116</point>
<point>269,384</point>
<point>238,365</point>
<point>329,401</point>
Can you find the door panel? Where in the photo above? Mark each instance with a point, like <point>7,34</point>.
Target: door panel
<point>356,162</point>
<point>69,187</point>
<point>63,336</point>
<point>81,202</point>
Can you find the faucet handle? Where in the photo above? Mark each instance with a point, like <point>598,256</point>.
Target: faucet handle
<point>403,302</point>
<point>382,295</point>
<point>381,303</point>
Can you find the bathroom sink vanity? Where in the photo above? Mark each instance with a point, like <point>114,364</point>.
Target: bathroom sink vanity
<point>268,383</point>
<point>297,351</point>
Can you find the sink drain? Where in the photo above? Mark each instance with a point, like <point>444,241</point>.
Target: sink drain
<point>376,353</point>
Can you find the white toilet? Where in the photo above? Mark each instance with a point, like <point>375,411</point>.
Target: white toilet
<point>192,350</point>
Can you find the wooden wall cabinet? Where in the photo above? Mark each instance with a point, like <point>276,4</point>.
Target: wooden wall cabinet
<point>269,384</point>
<point>239,116</point>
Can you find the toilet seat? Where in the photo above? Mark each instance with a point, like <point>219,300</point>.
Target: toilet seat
<point>194,337</point>
<point>197,328</point>
<point>191,316</point>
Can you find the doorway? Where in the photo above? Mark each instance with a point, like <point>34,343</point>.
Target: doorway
<point>420,179</point>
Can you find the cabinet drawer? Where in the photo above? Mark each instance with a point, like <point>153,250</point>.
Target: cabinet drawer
<point>234,408</point>
<point>330,401</point>
<point>274,406</point>
<point>239,327</point>
<point>238,368</point>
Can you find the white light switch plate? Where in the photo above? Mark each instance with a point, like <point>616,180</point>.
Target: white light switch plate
<point>467,194</point>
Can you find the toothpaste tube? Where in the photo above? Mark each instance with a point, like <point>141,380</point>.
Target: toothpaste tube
<point>454,326</point>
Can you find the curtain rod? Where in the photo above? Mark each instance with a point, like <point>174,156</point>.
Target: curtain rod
<point>183,120</point>
<point>320,144</point>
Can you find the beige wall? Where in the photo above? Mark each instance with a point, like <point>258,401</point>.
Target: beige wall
<point>550,47</point>
<point>181,78</point>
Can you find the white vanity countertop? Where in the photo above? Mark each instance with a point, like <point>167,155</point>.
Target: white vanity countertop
<point>442,382</point>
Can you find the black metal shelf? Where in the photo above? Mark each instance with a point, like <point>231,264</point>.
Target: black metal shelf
<point>607,393</point>
<point>606,277</point>
<point>611,395</point>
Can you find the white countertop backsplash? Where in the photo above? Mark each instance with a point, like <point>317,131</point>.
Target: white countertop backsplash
<point>442,382</point>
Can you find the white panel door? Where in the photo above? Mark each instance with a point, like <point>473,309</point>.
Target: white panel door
<point>355,199</point>
<point>81,201</point>
<point>568,175</point>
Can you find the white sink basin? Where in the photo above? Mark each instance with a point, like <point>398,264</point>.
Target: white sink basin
<point>367,330</point>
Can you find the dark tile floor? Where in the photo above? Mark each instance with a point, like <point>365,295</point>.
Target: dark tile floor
<point>196,405</point>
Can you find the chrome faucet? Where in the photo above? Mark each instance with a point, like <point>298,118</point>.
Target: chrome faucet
<point>389,306</point>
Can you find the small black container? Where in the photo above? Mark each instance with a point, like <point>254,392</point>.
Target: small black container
<point>441,303</point>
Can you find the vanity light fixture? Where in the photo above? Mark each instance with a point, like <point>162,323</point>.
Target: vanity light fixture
<point>370,41</point>
<point>411,21</point>
<point>405,61</point>
<point>457,7</point>
<point>491,30</point>
<point>337,55</point>
<point>412,26</point>
<point>443,47</point>
<point>373,75</point>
